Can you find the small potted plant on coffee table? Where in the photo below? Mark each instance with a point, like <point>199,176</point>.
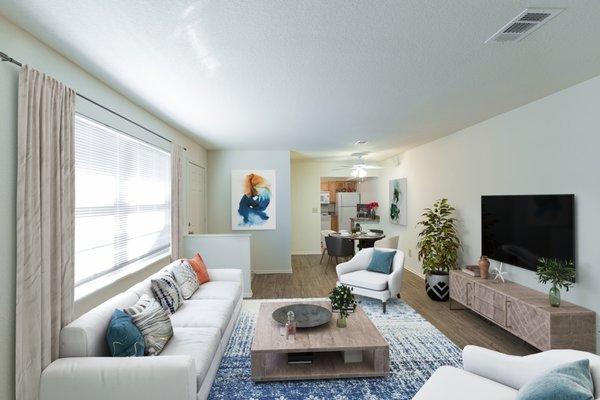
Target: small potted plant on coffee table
<point>342,301</point>
<point>560,273</point>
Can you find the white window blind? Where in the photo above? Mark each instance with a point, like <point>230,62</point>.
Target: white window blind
<point>122,200</point>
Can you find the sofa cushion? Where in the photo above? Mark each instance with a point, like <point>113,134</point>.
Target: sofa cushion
<point>86,336</point>
<point>199,343</point>
<point>224,290</point>
<point>449,383</point>
<point>365,279</point>
<point>204,314</point>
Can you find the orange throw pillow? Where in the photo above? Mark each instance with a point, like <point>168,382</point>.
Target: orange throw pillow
<point>199,268</point>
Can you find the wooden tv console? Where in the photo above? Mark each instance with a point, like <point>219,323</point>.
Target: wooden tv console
<point>526,313</point>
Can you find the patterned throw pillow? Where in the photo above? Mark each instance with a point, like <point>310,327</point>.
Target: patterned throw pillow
<point>167,292</point>
<point>199,267</point>
<point>153,322</point>
<point>186,279</point>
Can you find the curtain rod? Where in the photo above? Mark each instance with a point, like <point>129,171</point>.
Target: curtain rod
<point>5,57</point>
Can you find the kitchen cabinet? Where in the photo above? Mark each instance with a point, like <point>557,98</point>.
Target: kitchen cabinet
<point>334,187</point>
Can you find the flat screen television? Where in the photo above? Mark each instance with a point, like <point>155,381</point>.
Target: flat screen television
<point>519,230</point>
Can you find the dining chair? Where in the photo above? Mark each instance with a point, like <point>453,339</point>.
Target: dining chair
<point>338,246</point>
<point>324,234</point>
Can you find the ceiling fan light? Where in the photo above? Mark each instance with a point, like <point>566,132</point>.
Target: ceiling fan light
<point>354,173</point>
<point>362,172</point>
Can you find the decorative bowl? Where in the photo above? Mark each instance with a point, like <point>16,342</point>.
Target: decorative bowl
<point>305,315</point>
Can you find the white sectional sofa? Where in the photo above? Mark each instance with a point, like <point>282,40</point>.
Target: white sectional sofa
<point>185,369</point>
<point>490,375</point>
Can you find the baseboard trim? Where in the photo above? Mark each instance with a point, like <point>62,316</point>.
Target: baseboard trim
<point>280,270</point>
<point>417,274</point>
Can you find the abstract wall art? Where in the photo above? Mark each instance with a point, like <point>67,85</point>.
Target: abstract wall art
<point>253,200</point>
<point>398,207</point>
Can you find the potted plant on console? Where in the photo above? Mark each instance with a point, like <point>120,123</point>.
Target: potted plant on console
<point>438,246</point>
<point>342,300</point>
<point>560,273</point>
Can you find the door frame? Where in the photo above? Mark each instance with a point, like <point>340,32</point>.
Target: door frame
<point>187,193</point>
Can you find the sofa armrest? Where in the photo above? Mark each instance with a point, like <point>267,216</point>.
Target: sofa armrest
<point>225,274</point>
<point>395,277</point>
<point>131,378</point>
<point>395,281</point>
<point>515,371</point>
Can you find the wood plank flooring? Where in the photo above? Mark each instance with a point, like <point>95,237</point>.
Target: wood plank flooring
<point>311,279</point>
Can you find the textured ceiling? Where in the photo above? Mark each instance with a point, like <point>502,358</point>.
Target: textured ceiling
<point>314,76</point>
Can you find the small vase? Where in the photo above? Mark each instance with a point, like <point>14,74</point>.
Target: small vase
<point>342,322</point>
<point>554,296</point>
<point>484,267</point>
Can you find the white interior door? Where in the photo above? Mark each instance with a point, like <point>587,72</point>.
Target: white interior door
<point>196,199</point>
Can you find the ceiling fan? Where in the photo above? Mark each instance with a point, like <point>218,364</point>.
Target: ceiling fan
<point>359,168</point>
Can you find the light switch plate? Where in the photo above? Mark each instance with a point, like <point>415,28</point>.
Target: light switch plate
<point>315,210</point>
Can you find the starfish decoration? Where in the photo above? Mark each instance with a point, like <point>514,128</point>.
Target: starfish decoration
<point>499,273</point>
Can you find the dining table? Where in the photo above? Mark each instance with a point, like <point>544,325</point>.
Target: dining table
<point>364,239</point>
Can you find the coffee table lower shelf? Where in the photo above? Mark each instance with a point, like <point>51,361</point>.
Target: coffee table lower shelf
<point>270,366</point>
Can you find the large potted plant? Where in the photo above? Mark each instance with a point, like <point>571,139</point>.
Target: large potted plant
<point>560,273</point>
<point>438,245</point>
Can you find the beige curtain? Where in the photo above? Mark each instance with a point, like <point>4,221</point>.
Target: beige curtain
<point>45,224</point>
<point>177,224</point>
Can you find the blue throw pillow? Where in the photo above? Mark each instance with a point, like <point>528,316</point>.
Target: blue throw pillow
<point>571,381</point>
<point>381,261</point>
<point>124,339</point>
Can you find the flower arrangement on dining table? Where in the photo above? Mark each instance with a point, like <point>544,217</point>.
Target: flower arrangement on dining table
<point>373,206</point>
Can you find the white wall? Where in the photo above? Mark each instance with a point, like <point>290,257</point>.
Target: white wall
<point>24,47</point>
<point>306,206</point>
<point>369,190</point>
<point>271,249</point>
<point>546,147</point>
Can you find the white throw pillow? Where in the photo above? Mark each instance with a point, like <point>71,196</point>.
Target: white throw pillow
<point>186,278</point>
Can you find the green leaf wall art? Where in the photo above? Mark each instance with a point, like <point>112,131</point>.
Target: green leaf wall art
<point>398,207</point>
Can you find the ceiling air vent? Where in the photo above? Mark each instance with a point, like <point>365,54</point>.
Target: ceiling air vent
<point>524,23</point>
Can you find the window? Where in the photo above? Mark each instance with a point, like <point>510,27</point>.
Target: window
<point>122,200</point>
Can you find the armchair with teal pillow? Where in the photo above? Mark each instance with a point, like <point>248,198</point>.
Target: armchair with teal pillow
<point>124,339</point>
<point>373,272</point>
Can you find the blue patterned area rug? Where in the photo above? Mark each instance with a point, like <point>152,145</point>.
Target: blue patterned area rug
<point>417,349</point>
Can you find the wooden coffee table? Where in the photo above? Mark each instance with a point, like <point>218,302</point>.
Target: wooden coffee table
<point>327,343</point>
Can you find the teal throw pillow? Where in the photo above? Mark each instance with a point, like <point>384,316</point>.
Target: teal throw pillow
<point>571,381</point>
<point>124,339</point>
<point>381,261</point>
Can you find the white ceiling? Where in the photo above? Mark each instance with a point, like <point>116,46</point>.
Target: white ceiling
<point>314,76</point>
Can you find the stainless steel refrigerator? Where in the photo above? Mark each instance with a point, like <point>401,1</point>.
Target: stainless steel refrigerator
<point>345,208</point>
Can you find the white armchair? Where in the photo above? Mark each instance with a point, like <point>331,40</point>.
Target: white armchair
<point>376,285</point>
<point>496,376</point>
